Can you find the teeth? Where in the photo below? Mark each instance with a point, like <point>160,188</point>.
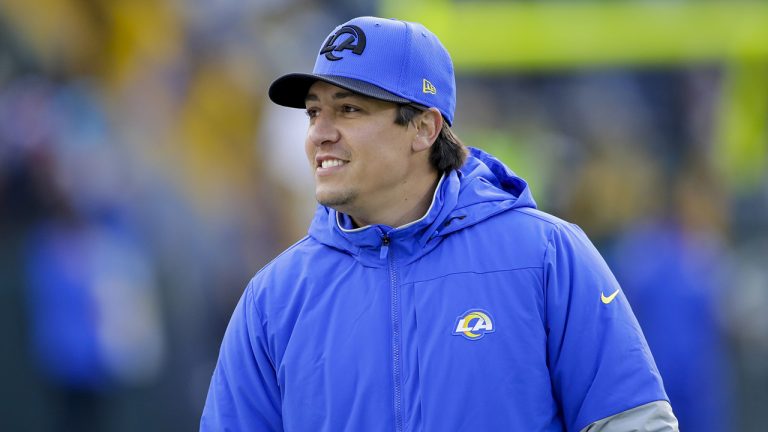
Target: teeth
<point>331,163</point>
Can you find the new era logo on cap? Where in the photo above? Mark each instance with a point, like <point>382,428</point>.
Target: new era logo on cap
<point>392,60</point>
<point>428,87</point>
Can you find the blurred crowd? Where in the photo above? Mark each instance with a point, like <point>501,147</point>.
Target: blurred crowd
<point>144,178</point>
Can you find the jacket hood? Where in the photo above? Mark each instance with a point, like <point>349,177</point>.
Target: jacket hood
<point>482,188</point>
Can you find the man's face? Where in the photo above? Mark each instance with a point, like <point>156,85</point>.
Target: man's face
<point>361,159</point>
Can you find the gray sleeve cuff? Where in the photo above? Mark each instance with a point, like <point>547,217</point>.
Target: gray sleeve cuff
<point>651,417</point>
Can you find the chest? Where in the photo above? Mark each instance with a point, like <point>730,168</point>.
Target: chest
<point>414,339</point>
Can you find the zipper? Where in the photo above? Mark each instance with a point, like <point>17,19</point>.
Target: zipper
<point>384,247</point>
<point>396,372</point>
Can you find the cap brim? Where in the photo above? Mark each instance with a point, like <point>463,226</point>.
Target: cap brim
<point>291,90</point>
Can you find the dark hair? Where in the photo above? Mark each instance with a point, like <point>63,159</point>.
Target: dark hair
<point>448,152</point>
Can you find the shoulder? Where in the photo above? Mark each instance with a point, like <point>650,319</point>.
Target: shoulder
<point>536,216</point>
<point>511,239</point>
<point>531,226</point>
<point>306,262</point>
<point>294,253</point>
<point>542,238</point>
<point>557,231</point>
<point>285,267</point>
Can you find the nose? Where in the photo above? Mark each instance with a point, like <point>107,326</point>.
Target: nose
<point>323,130</point>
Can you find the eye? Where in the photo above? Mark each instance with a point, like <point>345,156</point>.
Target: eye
<point>312,112</point>
<point>349,109</point>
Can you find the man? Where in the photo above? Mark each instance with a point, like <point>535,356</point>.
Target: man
<point>430,294</point>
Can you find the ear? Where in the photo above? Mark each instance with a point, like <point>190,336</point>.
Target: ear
<point>428,125</point>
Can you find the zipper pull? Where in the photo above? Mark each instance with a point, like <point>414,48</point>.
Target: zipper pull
<point>384,247</point>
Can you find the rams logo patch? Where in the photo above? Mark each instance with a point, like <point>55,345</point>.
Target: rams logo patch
<point>355,42</point>
<point>473,324</point>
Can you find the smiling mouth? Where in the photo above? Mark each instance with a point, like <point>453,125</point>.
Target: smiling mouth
<point>328,163</point>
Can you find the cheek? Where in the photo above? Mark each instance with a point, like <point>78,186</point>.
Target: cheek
<point>309,151</point>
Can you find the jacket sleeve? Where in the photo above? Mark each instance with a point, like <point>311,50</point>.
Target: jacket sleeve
<point>600,364</point>
<point>652,417</point>
<point>244,394</point>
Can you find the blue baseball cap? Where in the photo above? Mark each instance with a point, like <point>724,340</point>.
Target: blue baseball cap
<point>387,59</point>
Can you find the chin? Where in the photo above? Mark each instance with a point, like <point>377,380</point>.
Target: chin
<point>335,199</point>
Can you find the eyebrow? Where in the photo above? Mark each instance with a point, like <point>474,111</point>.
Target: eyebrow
<point>336,96</point>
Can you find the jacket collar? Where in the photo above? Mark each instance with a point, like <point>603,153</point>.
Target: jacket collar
<point>482,188</point>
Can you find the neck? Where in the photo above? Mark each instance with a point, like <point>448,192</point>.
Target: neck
<point>406,207</point>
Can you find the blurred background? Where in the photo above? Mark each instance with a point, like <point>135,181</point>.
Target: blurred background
<point>145,177</point>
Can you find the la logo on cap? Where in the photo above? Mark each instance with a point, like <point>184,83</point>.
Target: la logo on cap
<point>428,87</point>
<point>355,42</point>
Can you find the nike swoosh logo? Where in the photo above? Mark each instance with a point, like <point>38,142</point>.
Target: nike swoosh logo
<point>610,298</point>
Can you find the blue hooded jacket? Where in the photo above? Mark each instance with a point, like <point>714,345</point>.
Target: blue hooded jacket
<point>485,314</point>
